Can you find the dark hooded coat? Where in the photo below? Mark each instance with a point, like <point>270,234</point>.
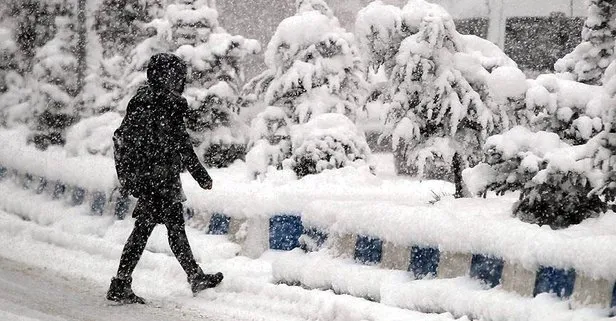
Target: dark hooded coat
<point>153,136</point>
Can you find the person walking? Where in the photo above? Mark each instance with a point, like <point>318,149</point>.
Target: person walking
<point>151,149</point>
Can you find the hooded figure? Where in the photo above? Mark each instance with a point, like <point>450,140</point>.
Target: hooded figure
<point>152,148</point>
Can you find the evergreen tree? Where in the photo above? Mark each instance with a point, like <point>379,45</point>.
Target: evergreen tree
<point>55,70</point>
<point>590,58</point>
<point>313,69</point>
<point>214,59</point>
<point>442,107</point>
<point>118,23</point>
<point>34,26</point>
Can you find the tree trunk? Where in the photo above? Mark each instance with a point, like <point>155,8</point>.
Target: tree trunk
<point>82,34</point>
<point>457,164</point>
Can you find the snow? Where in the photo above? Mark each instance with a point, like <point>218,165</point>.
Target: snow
<point>507,82</point>
<point>93,135</point>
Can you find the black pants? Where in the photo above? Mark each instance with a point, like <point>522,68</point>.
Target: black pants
<point>148,213</point>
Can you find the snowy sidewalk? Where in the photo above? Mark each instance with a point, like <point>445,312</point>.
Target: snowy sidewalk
<point>34,294</point>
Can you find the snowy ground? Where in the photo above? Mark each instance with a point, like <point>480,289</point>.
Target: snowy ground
<point>57,261</point>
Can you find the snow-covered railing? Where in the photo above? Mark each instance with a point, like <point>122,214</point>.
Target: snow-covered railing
<point>468,237</point>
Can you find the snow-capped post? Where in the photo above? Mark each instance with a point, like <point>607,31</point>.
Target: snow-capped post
<point>55,70</point>
<point>442,103</point>
<point>589,59</point>
<point>314,70</point>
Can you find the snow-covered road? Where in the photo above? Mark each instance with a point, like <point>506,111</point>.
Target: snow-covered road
<point>29,293</point>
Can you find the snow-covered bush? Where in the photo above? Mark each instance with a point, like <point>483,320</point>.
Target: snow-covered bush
<point>573,110</point>
<point>55,70</point>
<point>270,141</point>
<point>590,58</point>
<point>313,69</point>
<point>556,180</point>
<point>447,94</point>
<point>93,135</point>
<point>328,141</point>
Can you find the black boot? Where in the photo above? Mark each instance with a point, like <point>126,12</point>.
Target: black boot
<point>120,291</point>
<point>201,281</point>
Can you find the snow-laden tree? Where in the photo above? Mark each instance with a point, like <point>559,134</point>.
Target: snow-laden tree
<point>8,50</point>
<point>118,23</point>
<point>214,59</point>
<point>447,94</point>
<point>270,141</point>
<point>34,25</point>
<point>590,58</point>
<point>379,32</point>
<point>14,91</point>
<point>314,68</point>
<point>57,85</point>
<point>158,40</point>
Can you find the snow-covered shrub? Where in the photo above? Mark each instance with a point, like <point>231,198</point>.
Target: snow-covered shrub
<point>55,70</point>
<point>313,69</point>
<point>590,58</point>
<point>555,180</point>
<point>270,141</point>
<point>443,94</point>
<point>571,109</point>
<point>93,135</point>
<point>328,141</point>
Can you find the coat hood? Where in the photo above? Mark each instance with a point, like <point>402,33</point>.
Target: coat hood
<point>167,71</point>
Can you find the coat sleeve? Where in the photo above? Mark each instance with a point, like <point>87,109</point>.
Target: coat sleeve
<point>189,158</point>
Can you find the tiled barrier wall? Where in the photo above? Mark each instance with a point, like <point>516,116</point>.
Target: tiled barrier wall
<point>286,232</point>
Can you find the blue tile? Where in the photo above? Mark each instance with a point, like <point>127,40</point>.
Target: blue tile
<point>78,196</point>
<point>58,190</point>
<point>219,224</point>
<point>552,280</point>
<point>613,296</point>
<point>98,203</point>
<point>368,250</point>
<point>121,207</point>
<point>487,269</point>
<point>284,232</point>
<point>424,261</point>
<point>317,237</point>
